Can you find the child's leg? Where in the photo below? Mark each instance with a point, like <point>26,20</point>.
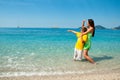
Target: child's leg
<point>79,52</point>
<point>75,54</point>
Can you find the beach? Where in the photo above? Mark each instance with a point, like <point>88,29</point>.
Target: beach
<point>103,75</point>
<point>40,39</point>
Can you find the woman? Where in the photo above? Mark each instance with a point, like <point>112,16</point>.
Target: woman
<point>90,31</point>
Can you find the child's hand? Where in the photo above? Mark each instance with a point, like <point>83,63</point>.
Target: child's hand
<point>83,21</point>
<point>72,31</point>
<point>69,30</point>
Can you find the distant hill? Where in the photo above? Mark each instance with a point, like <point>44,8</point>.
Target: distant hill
<point>117,28</point>
<point>100,27</point>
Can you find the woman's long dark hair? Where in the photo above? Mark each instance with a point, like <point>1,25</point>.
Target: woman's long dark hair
<point>91,22</point>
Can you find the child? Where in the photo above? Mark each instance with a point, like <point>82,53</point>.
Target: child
<point>79,44</point>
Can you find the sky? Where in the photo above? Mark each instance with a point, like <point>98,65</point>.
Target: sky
<point>58,13</point>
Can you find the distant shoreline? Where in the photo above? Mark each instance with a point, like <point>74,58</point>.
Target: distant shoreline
<point>99,27</point>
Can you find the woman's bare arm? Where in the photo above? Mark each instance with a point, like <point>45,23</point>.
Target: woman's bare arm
<point>89,30</point>
<point>82,39</point>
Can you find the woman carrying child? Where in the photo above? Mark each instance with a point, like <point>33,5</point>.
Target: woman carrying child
<point>90,32</point>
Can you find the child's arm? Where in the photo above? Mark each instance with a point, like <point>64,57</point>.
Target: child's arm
<point>83,22</point>
<point>72,31</point>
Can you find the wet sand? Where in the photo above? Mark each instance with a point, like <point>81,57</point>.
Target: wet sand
<point>102,75</point>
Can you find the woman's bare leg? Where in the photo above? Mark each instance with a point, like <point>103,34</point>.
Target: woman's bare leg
<point>85,53</point>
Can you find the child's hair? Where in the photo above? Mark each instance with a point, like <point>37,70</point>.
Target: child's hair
<point>84,29</point>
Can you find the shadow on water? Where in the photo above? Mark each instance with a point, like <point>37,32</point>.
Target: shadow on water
<point>97,59</point>
<point>102,58</point>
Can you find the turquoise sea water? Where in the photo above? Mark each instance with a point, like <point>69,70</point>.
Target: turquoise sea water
<point>49,51</point>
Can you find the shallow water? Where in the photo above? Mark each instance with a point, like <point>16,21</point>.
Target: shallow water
<point>47,50</point>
